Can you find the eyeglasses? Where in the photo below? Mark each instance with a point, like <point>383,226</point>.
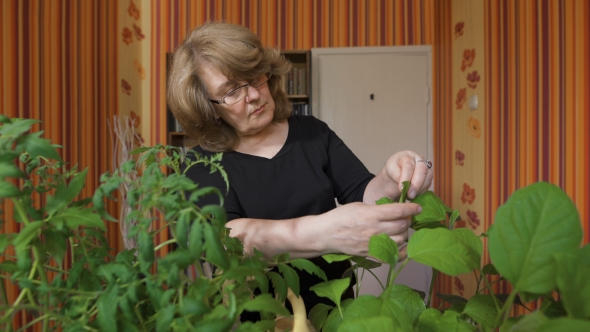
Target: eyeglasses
<point>236,95</point>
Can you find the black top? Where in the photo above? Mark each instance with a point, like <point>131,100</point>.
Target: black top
<point>311,169</point>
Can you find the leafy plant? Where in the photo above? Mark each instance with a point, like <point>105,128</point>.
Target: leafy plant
<point>134,290</point>
<point>534,245</point>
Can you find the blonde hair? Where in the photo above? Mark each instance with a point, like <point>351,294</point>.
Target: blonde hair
<point>238,53</point>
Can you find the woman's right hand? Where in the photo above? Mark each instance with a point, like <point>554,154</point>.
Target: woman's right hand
<point>349,227</point>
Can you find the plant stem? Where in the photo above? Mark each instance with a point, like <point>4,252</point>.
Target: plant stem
<point>506,306</point>
<point>21,211</point>
<point>165,243</point>
<point>478,281</point>
<point>434,274</point>
<point>496,301</point>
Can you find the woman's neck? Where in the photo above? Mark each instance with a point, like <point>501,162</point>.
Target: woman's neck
<point>266,143</point>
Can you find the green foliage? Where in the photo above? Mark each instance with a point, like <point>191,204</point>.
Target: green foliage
<point>141,289</point>
<point>534,245</point>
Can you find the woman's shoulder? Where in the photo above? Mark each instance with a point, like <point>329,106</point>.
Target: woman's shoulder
<point>309,122</point>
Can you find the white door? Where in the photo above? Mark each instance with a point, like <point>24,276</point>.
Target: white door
<point>377,99</point>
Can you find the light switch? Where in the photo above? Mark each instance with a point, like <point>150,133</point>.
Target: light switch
<point>473,103</point>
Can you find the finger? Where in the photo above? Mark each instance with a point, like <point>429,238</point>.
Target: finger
<point>397,211</point>
<point>406,165</point>
<point>402,253</point>
<point>400,239</point>
<point>418,178</point>
<point>428,182</point>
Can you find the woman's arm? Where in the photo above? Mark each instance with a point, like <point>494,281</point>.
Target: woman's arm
<point>346,229</point>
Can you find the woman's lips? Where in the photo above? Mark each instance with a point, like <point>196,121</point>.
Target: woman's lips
<point>258,110</point>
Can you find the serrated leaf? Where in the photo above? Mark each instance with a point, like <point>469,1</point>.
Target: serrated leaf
<point>164,318</point>
<point>27,234</point>
<point>4,241</point>
<point>482,309</point>
<point>38,147</point>
<point>16,126</point>
<point>8,267</point>
<point>332,289</point>
<point>64,195</point>
<point>265,303</point>
<point>536,222</point>
<point>319,314</point>
<point>56,245</point>
<point>439,248</point>
<point>330,258</point>
<point>214,251</point>
<point>309,267</point>
<point>383,248</point>
<point>146,249</point>
<point>75,217</point>
<point>195,240</point>
<point>8,190</point>
<point>279,285</point>
<point>10,170</point>
<point>107,309</point>
<point>291,277</point>
<point>408,299</point>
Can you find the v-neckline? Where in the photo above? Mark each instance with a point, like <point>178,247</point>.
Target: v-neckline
<point>292,136</point>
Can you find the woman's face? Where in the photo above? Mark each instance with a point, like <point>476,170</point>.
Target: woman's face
<point>250,115</point>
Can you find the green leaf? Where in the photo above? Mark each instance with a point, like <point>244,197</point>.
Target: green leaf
<point>291,277</point>
<point>76,217</point>
<point>16,126</point>
<point>471,241</point>
<point>8,190</point>
<point>565,324</point>
<point>330,258</point>
<point>145,245</point>
<point>536,222</point>
<point>433,208</point>
<point>489,269</point>
<point>334,318</point>
<point>65,195</point>
<point>384,200</point>
<point>107,309</point>
<point>452,298</point>
<point>368,306</point>
<point>279,285</point>
<point>164,318</point>
<point>195,240</point>
<point>365,263</point>
<point>319,314</point>
<point>453,218</point>
<point>38,147</point>
<point>266,303</point>
<point>408,299</point>
<point>584,255</point>
<point>530,322</point>
<point>481,308</point>
<point>8,267</point>
<point>369,324</point>
<point>574,285</point>
<point>27,234</point>
<point>309,267</point>
<point>4,241</point>
<point>9,169</point>
<point>332,289</point>
<point>441,249</point>
<point>404,193</point>
<point>431,320</point>
<point>214,251</point>
<point>383,248</point>
<point>56,245</point>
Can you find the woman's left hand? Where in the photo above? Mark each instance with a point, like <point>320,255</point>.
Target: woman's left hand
<point>409,166</point>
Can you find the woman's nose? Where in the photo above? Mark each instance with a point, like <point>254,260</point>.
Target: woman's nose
<point>252,94</point>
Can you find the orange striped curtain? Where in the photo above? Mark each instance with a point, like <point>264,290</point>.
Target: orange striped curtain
<point>58,62</point>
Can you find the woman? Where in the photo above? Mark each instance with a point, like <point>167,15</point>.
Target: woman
<point>284,171</point>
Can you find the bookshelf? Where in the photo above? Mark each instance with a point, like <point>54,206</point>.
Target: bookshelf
<point>297,84</point>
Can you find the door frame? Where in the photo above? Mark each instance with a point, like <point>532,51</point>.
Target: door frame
<point>422,50</point>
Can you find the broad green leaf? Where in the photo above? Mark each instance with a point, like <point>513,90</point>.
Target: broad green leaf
<point>367,306</point>
<point>441,249</point>
<point>279,285</point>
<point>565,324</point>
<point>309,267</point>
<point>431,320</point>
<point>332,289</point>
<point>365,263</point>
<point>574,285</point>
<point>370,324</point>
<point>8,190</point>
<point>453,218</point>
<point>319,314</point>
<point>384,200</point>
<point>64,195</point>
<point>214,251</point>
<point>536,222</point>
<point>530,322</point>
<point>472,241</point>
<point>334,318</point>
<point>408,299</point>
<point>383,248</point>
<point>182,228</point>
<point>489,269</point>
<point>266,303</point>
<point>107,309</point>
<point>291,277</point>
<point>146,249</point>
<point>452,298</point>
<point>330,258</point>
<point>27,234</point>
<point>584,254</point>
<point>75,217</point>
<point>195,239</point>
<point>481,308</point>
<point>433,208</point>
